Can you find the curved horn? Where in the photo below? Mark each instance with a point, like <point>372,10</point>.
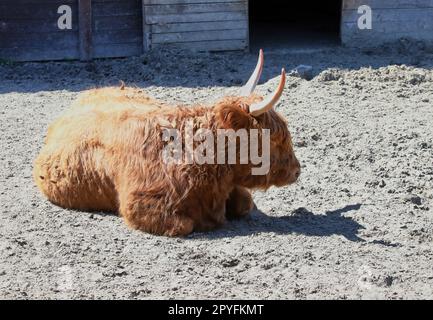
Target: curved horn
<point>248,89</point>
<point>268,103</point>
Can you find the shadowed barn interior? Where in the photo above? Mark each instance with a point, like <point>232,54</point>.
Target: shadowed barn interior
<point>294,24</point>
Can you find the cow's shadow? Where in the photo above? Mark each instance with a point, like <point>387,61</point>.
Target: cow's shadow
<point>301,221</point>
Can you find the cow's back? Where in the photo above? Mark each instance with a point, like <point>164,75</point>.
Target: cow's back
<point>75,168</point>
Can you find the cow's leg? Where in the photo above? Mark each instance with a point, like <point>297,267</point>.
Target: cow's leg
<point>239,204</point>
<point>147,213</point>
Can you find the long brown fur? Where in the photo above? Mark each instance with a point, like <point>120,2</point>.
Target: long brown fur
<point>104,154</point>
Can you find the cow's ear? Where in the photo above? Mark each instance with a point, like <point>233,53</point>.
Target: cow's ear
<point>233,117</point>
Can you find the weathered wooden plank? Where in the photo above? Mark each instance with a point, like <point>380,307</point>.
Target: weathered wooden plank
<point>383,15</point>
<point>85,28</point>
<point>178,37</point>
<point>127,22</point>
<point>195,17</point>
<point>199,26</point>
<point>182,9</point>
<point>47,40</point>
<point>418,25</point>
<point>117,36</point>
<point>38,54</point>
<point>247,11</point>
<point>117,8</point>
<point>42,2</point>
<point>388,4</point>
<point>31,11</point>
<point>26,26</point>
<point>117,50</point>
<point>159,2</point>
<point>365,40</point>
<point>147,30</point>
<point>225,45</point>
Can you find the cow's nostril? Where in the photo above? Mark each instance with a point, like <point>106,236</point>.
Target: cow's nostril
<point>297,173</point>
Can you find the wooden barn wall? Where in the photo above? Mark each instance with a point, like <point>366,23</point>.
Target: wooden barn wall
<point>204,25</point>
<point>117,28</point>
<point>28,30</point>
<point>392,20</point>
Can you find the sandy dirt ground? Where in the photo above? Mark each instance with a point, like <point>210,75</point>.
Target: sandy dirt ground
<point>358,224</point>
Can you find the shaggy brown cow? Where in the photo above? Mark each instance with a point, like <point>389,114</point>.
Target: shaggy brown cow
<point>104,154</point>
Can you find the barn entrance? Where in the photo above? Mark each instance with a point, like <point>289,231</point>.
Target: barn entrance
<point>294,24</point>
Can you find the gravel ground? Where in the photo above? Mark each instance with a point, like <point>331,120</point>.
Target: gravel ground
<point>357,225</point>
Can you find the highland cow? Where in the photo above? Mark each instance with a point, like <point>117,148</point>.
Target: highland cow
<point>104,154</point>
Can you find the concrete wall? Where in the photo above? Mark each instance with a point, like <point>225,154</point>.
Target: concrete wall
<point>392,20</point>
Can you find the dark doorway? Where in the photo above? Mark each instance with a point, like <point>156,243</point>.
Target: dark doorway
<point>294,24</point>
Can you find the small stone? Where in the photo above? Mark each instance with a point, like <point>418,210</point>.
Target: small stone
<point>424,145</point>
<point>388,281</point>
<point>301,144</point>
<point>416,200</point>
<point>120,273</point>
<point>230,263</point>
<point>413,199</point>
<point>267,266</point>
<point>315,137</point>
<point>21,243</point>
<point>303,71</point>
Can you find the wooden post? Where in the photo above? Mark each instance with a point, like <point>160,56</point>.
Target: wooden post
<point>247,4</point>
<point>147,32</point>
<point>85,29</point>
